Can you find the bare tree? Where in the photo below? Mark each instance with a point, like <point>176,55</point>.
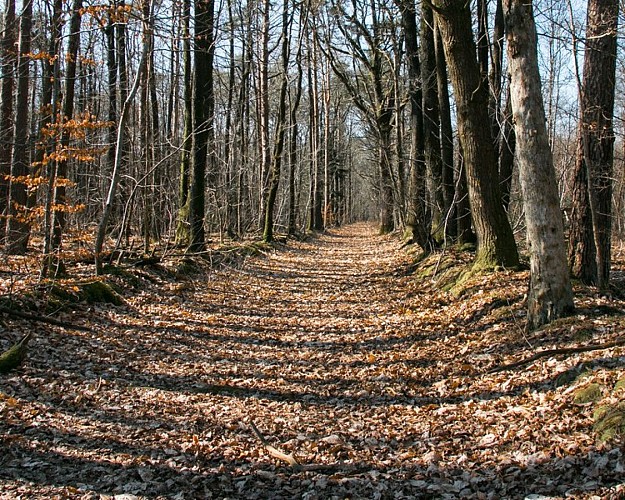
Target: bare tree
<point>281,124</point>
<point>8,60</point>
<point>496,245</point>
<point>550,296</point>
<point>18,233</point>
<point>203,118</point>
<point>368,81</point>
<point>417,223</point>
<point>590,235</point>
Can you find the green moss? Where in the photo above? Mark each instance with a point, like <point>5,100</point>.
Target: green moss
<point>609,421</point>
<point>583,334</point>
<point>572,375</point>
<point>460,285</point>
<point>468,247</point>
<point>587,394</point>
<point>99,292</point>
<point>620,384</point>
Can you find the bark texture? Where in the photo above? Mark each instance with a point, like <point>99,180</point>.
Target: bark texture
<point>591,217</point>
<point>416,220</point>
<point>550,295</point>
<point>496,245</point>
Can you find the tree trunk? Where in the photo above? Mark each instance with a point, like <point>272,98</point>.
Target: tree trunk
<point>183,232</point>
<point>276,162</point>
<point>230,187</point>
<point>19,226</point>
<point>550,296</point>
<point>8,60</point>
<point>315,218</point>
<point>203,113</point>
<point>416,222</point>
<point>507,145</point>
<point>496,245</point>
<point>294,127</point>
<point>591,221</point>
<point>263,111</point>
<point>447,140</point>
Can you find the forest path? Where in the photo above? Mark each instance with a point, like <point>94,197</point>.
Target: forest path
<point>343,281</point>
<point>335,352</point>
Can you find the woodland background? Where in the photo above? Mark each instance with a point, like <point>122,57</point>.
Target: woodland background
<point>153,123</point>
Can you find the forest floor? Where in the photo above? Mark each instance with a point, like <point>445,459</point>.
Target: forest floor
<point>330,368</point>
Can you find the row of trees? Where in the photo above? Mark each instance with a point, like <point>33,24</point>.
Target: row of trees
<point>175,121</point>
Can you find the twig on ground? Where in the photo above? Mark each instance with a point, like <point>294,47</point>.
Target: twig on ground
<point>274,452</point>
<point>557,352</point>
<point>296,466</point>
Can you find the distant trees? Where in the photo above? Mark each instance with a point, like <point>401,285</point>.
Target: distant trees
<point>357,43</point>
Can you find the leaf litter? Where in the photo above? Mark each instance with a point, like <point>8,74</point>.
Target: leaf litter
<point>328,369</point>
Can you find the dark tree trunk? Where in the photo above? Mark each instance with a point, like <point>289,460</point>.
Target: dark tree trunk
<point>278,150</point>
<point>19,227</point>
<point>581,243</point>
<point>315,217</point>
<point>417,223</point>
<point>431,121</point>
<point>496,245</point>
<point>8,60</point>
<point>230,188</point>
<point>203,113</point>
<point>593,223</point>
<point>447,141</point>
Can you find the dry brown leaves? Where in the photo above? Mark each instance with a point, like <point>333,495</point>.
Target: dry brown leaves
<point>371,378</point>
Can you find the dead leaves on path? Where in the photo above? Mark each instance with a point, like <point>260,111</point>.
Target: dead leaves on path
<point>364,381</point>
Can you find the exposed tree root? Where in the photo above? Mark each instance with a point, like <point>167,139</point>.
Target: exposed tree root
<point>557,352</point>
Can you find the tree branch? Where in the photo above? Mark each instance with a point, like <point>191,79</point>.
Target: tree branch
<point>43,319</point>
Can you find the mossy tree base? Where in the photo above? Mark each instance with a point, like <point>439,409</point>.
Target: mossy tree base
<point>610,422</point>
<point>91,292</point>
<point>14,356</point>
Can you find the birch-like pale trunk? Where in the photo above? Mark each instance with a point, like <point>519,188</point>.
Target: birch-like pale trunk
<point>550,296</point>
